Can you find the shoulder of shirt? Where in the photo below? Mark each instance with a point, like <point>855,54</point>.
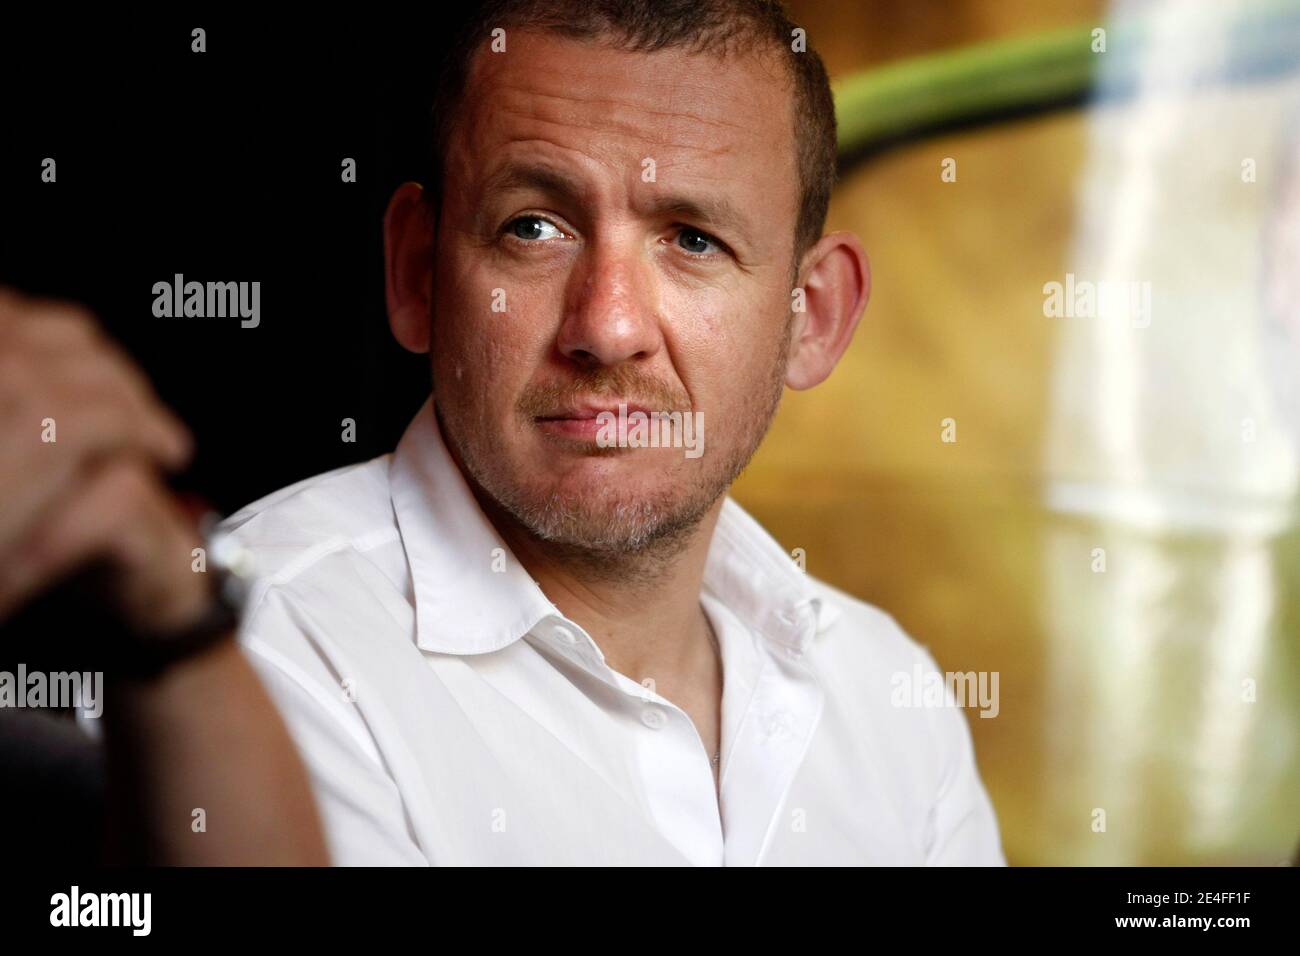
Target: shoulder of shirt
<point>863,654</point>
<point>859,628</point>
<point>289,530</point>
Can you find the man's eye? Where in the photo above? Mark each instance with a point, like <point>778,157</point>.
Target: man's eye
<point>531,228</point>
<point>698,243</point>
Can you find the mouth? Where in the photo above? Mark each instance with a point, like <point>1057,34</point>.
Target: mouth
<point>582,422</point>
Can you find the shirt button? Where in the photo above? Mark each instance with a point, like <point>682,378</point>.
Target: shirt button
<point>653,718</point>
<point>566,635</point>
<point>777,725</point>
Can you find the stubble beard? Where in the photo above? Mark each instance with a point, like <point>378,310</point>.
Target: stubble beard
<point>606,533</point>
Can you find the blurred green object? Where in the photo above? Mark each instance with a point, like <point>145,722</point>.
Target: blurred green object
<point>1005,78</point>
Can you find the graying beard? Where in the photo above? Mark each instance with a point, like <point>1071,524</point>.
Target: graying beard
<point>645,556</point>
<point>633,546</point>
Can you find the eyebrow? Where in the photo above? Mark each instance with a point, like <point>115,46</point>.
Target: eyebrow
<point>530,176</point>
<point>712,211</point>
<point>715,212</point>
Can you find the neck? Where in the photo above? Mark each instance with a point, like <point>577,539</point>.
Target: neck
<point>642,609</point>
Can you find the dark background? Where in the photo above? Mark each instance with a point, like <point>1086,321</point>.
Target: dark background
<point>225,166</point>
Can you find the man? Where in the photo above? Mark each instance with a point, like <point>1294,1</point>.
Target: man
<point>515,642</point>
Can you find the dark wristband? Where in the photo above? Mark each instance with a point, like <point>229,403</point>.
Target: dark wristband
<point>146,655</point>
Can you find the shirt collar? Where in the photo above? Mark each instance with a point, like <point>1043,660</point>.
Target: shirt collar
<point>464,606</point>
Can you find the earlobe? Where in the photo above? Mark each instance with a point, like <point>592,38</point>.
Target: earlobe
<point>408,257</point>
<point>837,284</point>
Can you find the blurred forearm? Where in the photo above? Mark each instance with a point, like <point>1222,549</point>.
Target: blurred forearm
<point>204,736</point>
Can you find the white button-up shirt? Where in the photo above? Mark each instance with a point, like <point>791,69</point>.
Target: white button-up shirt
<point>448,713</point>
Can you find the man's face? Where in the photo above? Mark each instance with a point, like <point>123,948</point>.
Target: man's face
<point>615,227</point>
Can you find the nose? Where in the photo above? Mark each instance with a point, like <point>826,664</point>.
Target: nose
<point>612,314</point>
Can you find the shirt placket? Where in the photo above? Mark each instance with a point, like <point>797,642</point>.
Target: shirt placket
<point>675,770</point>
<point>772,740</point>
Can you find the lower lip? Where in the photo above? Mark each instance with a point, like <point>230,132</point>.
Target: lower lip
<point>584,429</point>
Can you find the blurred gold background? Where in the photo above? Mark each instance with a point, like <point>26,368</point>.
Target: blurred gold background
<point>1120,690</point>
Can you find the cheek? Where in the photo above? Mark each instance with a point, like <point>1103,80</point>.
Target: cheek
<point>726,347</point>
<point>485,337</point>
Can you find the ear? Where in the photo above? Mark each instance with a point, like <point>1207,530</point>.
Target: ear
<point>408,266</point>
<point>837,284</point>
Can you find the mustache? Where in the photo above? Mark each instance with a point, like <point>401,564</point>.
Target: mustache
<point>623,383</point>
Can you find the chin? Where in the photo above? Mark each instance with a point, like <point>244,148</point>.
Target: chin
<point>591,513</point>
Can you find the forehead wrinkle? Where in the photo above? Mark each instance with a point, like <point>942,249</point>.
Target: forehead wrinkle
<point>620,115</point>
<point>710,207</point>
<point>541,129</point>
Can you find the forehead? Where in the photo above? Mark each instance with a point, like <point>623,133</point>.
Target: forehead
<point>714,122</point>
